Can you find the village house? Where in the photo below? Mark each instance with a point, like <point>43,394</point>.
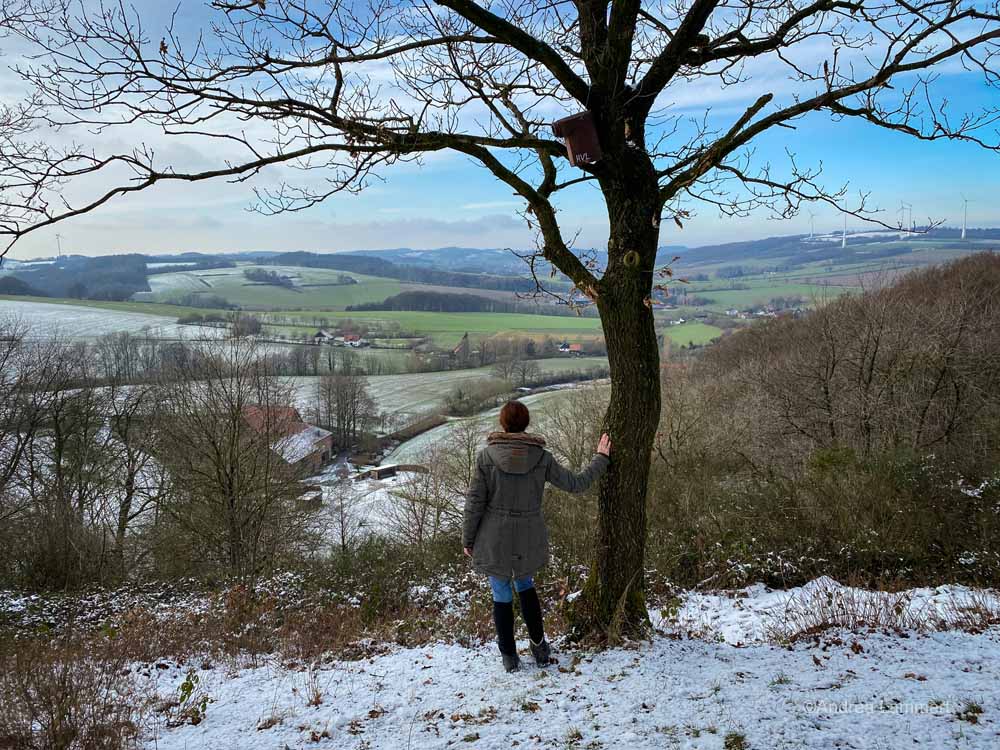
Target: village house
<point>575,350</point>
<point>297,442</point>
<point>353,339</point>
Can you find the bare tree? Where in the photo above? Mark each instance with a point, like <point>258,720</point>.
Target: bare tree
<point>503,369</point>
<point>344,518</point>
<point>573,424</point>
<point>344,406</point>
<point>431,502</point>
<point>420,509</point>
<point>344,91</point>
<point>234,492</point>
<point>140,484</point>
<point>120,356</point>
<point>20,410</point>
<point>526,371</point>
<point>64,472</point>
<point>912,367</point>
<point>298,360</point>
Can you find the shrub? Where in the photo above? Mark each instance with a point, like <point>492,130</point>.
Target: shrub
<point>61,695</point>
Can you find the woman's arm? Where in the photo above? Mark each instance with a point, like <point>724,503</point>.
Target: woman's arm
<point>475,505</point>
<point>566,480</point>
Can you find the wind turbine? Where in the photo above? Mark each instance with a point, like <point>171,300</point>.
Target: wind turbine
<point>843,240</point>
<point>58,245</point>
<point>965,214</point>
<point>907,227</point>
<point>812,224</point>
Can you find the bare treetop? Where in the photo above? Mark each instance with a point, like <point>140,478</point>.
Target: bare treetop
<point>346,89</point>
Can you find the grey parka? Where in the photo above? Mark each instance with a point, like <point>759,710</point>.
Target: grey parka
<point>504,524</point>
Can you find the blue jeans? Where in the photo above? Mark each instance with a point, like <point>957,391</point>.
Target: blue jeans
<point>501,588</point>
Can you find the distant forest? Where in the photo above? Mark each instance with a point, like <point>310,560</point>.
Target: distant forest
<point>420,301</point>
<point>115,277</point>
<point>111,278</point>
<point>373,266</point>
<point>440,302</point>
<point>14,286</point>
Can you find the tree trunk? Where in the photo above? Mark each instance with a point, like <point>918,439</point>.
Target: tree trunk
<point>612,604</point>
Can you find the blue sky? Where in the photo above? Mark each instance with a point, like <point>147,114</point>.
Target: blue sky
<point>450,201</point>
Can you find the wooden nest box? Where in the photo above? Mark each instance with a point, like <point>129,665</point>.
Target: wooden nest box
<point>580,136</point>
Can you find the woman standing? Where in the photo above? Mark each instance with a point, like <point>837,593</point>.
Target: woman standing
<point>504,531</point>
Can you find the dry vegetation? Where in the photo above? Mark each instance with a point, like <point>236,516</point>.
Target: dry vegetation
<point>861,441</point>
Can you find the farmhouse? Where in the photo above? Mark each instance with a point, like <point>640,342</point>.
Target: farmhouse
<point>353,339</point>
<point>298,443</point>
<point>323,337</point>
<point>575,350</point>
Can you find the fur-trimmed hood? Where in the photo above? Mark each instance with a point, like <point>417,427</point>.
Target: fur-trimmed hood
<point>516,437</point>
<point>515,452</point>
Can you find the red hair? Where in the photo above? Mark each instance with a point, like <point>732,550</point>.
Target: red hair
<point>514,417</point>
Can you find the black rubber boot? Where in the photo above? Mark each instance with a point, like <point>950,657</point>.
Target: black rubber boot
<point>531,610</point>
<point>503,619</point>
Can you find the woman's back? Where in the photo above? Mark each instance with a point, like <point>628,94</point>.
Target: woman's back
<point>504,529</point>
<point>504,526</point>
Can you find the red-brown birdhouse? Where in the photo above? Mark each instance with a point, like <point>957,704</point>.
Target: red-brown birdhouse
<point>580,136</point>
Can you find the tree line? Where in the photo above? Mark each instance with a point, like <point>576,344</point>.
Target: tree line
<point>453,303</point>
<point>374,266</point>
<point>114,277</point>
<point>272,278</point>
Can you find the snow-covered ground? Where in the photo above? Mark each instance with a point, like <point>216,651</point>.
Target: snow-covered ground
<point>47,321</point>
<point>836,689</point>
<point>366,506</point>
<point>415,394</point>
<point>758,614</point>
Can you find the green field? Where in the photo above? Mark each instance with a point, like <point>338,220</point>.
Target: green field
<point>762,291</point>
<point>446,329</point>
<point>692,333</point>
<point>820,281</point>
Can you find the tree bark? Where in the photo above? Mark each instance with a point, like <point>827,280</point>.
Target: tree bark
<point>612,604</point>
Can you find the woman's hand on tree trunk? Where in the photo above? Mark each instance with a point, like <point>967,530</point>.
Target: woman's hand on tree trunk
<point>467,551</point>
<point>604,445</point>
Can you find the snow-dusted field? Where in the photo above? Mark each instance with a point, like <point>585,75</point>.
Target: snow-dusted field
<point>418,393</point>
<point>415,450</point>
<point>924,689</point>
<point>47,321</point>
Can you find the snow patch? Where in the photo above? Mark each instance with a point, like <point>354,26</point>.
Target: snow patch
<point>882,692</point>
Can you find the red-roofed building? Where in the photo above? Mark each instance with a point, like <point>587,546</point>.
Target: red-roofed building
<point>299,443</point>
